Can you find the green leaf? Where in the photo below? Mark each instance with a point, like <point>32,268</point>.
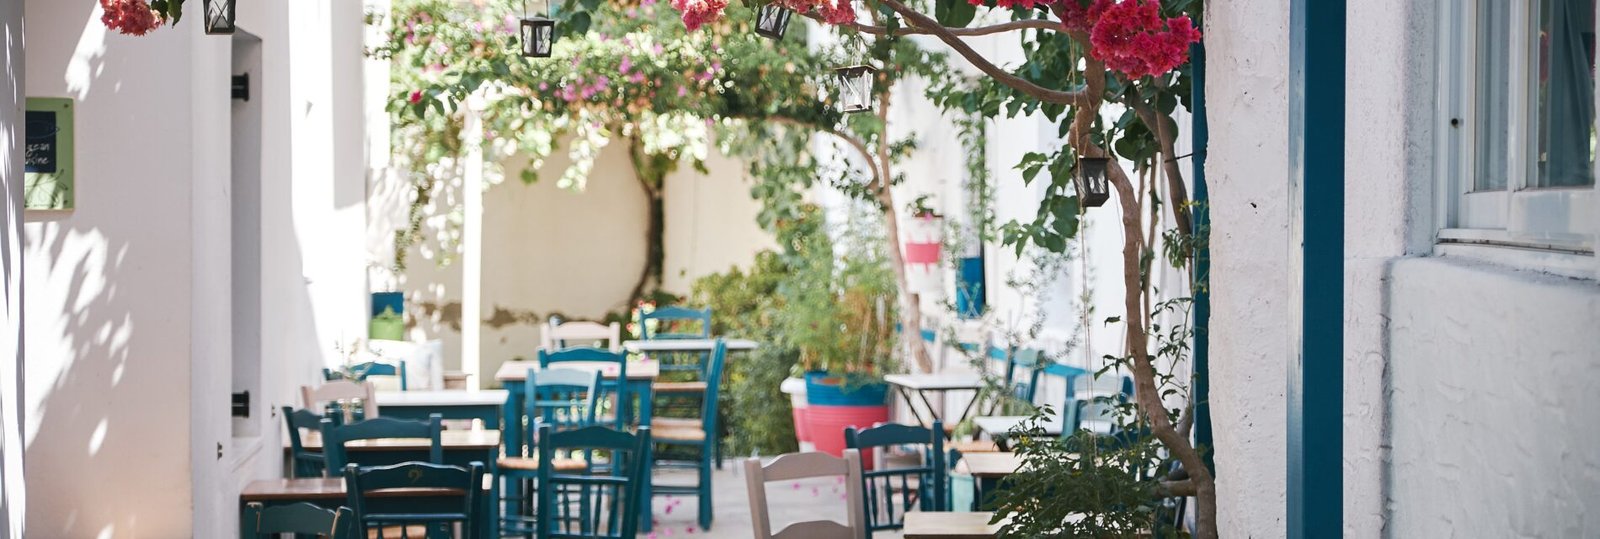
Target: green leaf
<point>578,24</point>
<point>954,13</point>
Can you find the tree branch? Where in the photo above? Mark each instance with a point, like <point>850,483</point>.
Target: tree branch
<point>860,147</point>
<point>1174,489</point>
<point>922,22</point>
<point>1000,28</point>
<point>1177,193</point>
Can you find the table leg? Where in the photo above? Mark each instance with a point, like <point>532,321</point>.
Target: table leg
<point>970,404</point>
<point>933,413</point>
<point>905,394</point>
<point>511,440</point>
<point>646,414</point>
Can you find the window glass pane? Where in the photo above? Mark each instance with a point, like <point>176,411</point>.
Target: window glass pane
<point>1493,95</point>
<point>1566,135</point>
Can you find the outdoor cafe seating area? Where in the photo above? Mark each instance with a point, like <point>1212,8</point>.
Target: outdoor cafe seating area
<point>605,437</point>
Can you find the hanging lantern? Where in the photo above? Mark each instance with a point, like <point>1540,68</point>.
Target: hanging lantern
<point>773,20</point>
<point>855,88</point>
<point>1093,189</point>
<point>219,16</point>
<point>538,36</point>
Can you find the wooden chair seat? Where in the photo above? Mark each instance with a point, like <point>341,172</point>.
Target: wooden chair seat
<point>532,464</point>
<point>976,446</point>
<point>668,433</point>
<point>398,532</point>
<point>679,387</point>
<point>676,422</point>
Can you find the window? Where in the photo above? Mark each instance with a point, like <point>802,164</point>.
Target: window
<point>1517,124</point>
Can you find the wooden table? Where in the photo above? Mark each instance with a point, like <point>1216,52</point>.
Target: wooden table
<point>923,384</point>
<point>641,381</point>
<point>483,405</point>
<point>921,525</point>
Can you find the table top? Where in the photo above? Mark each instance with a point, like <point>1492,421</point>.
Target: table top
<point>450,439</point>
<point>687,345</point>
<point>1000,425</point>
<point>937,382</point>
<point>324,488</point>
<point>517,371</point>
<point>992,465</point>
<point>442,397</point>
<point>950,525</point>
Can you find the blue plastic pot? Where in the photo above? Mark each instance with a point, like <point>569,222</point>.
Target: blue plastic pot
<point>823,389</point>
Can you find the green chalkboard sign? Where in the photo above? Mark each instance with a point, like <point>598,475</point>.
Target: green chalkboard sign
<point>47,154</point>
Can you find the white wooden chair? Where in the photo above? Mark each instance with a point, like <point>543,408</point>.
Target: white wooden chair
<point>339,391</point>
<point>556,336</point>
<point>800,466</point>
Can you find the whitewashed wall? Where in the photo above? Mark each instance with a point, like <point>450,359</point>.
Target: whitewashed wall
<point>13,495</point>
<point>1247,106</point>
<point>129,363</point>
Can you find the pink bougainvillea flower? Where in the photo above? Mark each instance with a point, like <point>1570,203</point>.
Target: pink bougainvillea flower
<point>1131,37</point>
<point>416,96</point>
<point>131,17</point>
<point>697,13</point>
<point>626,65</point>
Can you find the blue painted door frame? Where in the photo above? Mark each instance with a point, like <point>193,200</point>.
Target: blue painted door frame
<point>1316,176</point>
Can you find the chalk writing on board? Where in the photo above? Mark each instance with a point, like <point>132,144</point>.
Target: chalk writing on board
<point>40,155</point>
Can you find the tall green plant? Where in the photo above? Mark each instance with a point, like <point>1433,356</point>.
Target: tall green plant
<point>840,301</point>
<point>746,304</point>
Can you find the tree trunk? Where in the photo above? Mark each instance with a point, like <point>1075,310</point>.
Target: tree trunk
<point>652,180</point>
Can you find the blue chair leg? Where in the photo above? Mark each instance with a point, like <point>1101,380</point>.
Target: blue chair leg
<point>705,486</point>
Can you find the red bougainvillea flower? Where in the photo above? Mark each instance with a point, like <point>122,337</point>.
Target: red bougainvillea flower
<point>1078,15</point>
<point>1131,37</point>
<point>697,13</point>
<point>131,17</point>
<point>416,96</point>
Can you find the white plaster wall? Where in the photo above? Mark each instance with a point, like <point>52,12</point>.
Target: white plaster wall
<point>109,302</point>
<point>1247,106</point>
<point>1493,373</point>
<point>13,495</point>
<point>710,223</point>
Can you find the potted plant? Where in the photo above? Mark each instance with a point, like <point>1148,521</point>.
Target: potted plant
<point>839,313</point>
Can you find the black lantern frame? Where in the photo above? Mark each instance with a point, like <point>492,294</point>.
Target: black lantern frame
<point>1093,186</point>
<point>855,87</point>
<point>773,20</point>
<point>538,36</point>
<point>218,16</point>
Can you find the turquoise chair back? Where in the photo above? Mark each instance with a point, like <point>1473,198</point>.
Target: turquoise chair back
<point>434,512</point>
<point>362,371</point>
<point>261,522</point>
<point>592,505</point>
<point>307,463</point>
<point>564,399</point>
<point>892,491</point>
<point>674,322</point>
<point>334,437</point>
<point>595,355</point>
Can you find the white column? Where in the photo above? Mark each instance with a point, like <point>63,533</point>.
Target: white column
<point>472,245</point>
<point>12,500</point>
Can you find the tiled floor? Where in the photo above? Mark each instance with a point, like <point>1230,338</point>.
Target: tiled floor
<point>789,502</point>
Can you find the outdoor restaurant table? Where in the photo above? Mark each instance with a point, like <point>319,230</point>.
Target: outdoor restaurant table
<point>641,379</point>
<point>484,405</point>
<point>942,383</point>
<point>948,525</point>
<point>461,447</point>
<point>987,469</point>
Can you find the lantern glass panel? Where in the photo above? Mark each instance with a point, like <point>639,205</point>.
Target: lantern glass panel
<point>218,16</point>
<point>855,88</point>
<point>538,37</point>
<point>1093,188</point>
<point>773,20</point>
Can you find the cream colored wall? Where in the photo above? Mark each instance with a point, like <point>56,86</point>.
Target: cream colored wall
<point>550,250</point>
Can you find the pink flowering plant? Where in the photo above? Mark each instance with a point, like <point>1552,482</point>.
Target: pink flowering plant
<point>139,17</point>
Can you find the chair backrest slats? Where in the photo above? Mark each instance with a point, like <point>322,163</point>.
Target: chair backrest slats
<point>583,505</point>
<point>668,323</point>
<point>259,521</point>
<point>557,335</point>
<point>334,437</point>
<point>881,486</point>
<point>305,463</point>
<point>595,355</point>
<point>804,466</point>
<point>340,391</point>
<point>452,482</point>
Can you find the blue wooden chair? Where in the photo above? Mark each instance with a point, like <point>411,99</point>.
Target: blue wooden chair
<point>334,437</point>
<point>307,463</point>
<point>674,322</point>
<point>617,387</point>
<point>361,372</point>
<point>261,522</point>
<point>563,399</point>
<point>891,492</point>
<point>697,433</point>
<point>458,500</point>
<point>590,504</point>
